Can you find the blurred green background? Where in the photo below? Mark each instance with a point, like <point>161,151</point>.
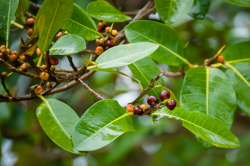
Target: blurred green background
<point>167,143</point>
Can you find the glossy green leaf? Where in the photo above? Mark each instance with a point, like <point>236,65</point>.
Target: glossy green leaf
<point>199,9</point>
<point>170,51</point>
<point>102,10</point>
<point>23,6</point>
<point>209,91</point>
<point>7,12</point>
<point>243,3</point>
<point>58,121</point>
<point>146,69</point>
<point>68,45</point>
<point>239,77</point>
<point>124,55</point>
<point>172,10</point>
<point>57,13</point>
<point>205,127</point>
<point>237,53</point>
<point>101,124</point>
<point>82,24</point>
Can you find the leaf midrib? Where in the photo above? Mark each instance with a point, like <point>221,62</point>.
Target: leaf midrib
<point>85,26</point>
<point>51,111</point>
<point>207,90</point>
<point>165,114</point>
<point>177,55</point>
<point>51,23</point>
<point>120,117</point>
<point>118,59</point>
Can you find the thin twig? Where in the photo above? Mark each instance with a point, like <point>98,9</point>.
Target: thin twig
<point>4,86</point>
<point>71,63</point>
<point>30,15</point>
<point>34,5</point>
<point>150,86</point>
<point>92,92</point>
<point>179,74</point>
<point>88,51</point>
<point>150,109</point>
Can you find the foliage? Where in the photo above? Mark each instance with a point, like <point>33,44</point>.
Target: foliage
<point>209,97</point>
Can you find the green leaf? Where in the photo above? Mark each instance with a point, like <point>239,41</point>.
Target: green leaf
<point>102,10</point>
<point>239,77</point>
<point>7,11</point>
<point>209,91</point>
<point>208,129</point>
<point>172,10</point>
<point>58,121</point>
<point>170,51</point>
<point>101,124</point>
<point>57,13</point>
<point>68,45</point>
<point>199,9</point>
<point>146,69</point>
<point>123,55</point>
<point>237,53</point>
<point>23,6</point>
<point>82,24</point>
<point>243,3</point>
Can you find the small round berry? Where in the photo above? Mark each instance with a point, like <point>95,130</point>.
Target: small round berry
<point>22,57</point>
<point>30,31</point>
<point>4,74</point>
<point>114,32</point>
<point>24,66</point>
<point>221,58</point>
<point>15,52</point>
<point>99,50</point>
<point>8,51</point>
<point>196,66</point>
<point>109,44</point>
<point>48,84</point>
<point>53,60</point>
<point>30,21</point>
<point>52,68</point>
<point>2,46</point>
<point>112,39</point>
<point>38,90</point>
<point>171,104</point>
<point>137,110</point>
<point>164,95</point>
<point>99,29</point>
<point>104,22</point>
<point>59,34</point>
<point>107,29</point>
<point>206,60</point>
<point>100,24</point>
<point>99,41</point>
<point>152,100</point>
<point>43,67</point>
<point>1,55</point>
<point>143,106</point>
<point>130,108</point>
<point>13,57</point>
<point>4,50</point>
<point>38,51</point>
<point>44,76</point>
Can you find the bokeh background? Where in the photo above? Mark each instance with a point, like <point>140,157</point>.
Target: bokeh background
<point>24,143</point>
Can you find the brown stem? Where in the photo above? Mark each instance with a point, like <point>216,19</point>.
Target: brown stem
<point>150,109</point>
<point>32,64</point>
<point>30,15</point>
<point>34,5</point>
<point>145,91</point>
<point>71,63</point>
<point>13,69</point>
<point>88,51</point>
<point>92,92</point>
<point>179,74</point>
<point>4,86</point>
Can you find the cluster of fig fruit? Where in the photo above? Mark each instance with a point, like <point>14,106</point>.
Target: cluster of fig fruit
<point>30,22</point>
<point>104,44</point>
<point>152,100</point>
